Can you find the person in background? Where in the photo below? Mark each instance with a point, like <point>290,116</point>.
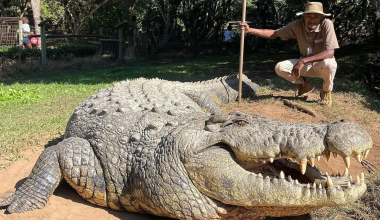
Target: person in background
<point>317,43</point>
<point>26,32</point>
<point>228,34</point>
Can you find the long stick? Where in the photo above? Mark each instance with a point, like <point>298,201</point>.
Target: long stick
<point>242,51</point>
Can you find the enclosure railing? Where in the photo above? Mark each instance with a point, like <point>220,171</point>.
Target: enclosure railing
<point>44,36</point>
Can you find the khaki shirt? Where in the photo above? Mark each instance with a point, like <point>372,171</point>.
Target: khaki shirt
<point>321,39</point>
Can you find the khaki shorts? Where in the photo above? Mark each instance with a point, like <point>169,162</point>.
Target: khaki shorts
<point>324,69</point>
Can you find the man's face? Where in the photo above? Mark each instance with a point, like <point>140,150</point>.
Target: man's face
<point>26,21</point>
<point>312,20</point>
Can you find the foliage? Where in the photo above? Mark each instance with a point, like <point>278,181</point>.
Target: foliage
<point>73,50</point>
<point>14,8</point>
<point>193,23</point>
<point>77,13</point>
<point>52,9</point>
<point>52,53</point>
<point>107,17</point>
<point>5,48</point>
<point>356,21</point>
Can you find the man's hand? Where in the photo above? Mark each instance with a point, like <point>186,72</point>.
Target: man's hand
<point>296,71</point>
<point>243,27</point>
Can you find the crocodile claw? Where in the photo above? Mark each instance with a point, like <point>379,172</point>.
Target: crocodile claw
<point>7,199</point>
<point>19,203</point>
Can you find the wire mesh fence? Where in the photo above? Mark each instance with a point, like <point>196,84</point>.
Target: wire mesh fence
<point>9,27</point>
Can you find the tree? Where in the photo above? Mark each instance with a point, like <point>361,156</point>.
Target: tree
<point>52,9</point>
<point>14,8</point>
<point>36,16</point>
<point>79,12</point>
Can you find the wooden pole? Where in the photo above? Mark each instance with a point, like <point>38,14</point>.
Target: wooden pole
<point>120,27</point>
<point>43,46</point>
<point>121,43</point>
<point>43,43</point>
<point>242,52</point>
<point>20,34</point>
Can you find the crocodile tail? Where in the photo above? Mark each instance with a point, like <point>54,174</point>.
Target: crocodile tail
<point>225,89</point>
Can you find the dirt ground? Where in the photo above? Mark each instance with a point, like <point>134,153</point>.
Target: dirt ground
<point>66,204</point>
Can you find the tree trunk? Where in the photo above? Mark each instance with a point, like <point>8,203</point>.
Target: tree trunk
<point>2,10</point>
<point>37,18</point>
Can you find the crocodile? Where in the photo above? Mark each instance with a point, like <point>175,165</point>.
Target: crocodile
<point>165,148</point>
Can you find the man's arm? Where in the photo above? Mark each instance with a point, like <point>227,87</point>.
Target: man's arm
<point>264,33</point>
<point>316,58</point>
<point>319,57</point>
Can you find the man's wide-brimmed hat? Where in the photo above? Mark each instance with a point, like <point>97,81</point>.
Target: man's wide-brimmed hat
<point>313,7</point>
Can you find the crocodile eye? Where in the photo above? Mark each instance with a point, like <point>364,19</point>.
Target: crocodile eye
<point>241,121</point>
<point>238,121</point>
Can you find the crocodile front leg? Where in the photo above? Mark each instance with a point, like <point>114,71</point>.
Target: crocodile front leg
<point>72,159</point>
<point>41,183</point>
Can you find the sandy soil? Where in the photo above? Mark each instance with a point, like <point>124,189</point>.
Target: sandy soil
<point>66,203</point>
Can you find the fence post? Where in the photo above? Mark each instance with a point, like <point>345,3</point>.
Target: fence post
<point>121,44</point>
<point>43,42</point>
<point>20,34</point>
<point>120,27</point>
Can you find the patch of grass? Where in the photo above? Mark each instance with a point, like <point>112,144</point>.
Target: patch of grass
<point>33,124</point>
<point>20,94</point>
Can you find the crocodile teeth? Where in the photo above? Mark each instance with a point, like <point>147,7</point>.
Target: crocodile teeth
<point>327,155</point>
<point>335,155</point>
<point>347,161</point>
<point>362,178</point>
<point>319,157</point>
<point>314,185</point>
<point>303,165</point>
<point>221,211</point>
<point>358,157</point>
<point>290,178</point>
<point>351,178</point>
<point>312,162</point>
<point>264,161</point>
<point>345,172</point>
<point>282,175</point>
<point>366,154</point>
<point>348,185</point>
<point>260,175</point>
<point>308,186</point>
<point>296,182</point>
<point>357,182</point>
<point>320,186</point>
<point>329,182</point>
<point>271,159</point>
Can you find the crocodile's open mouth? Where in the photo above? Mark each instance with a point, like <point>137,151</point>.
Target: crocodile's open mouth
<point>278,183</point>
<point>303,174</point>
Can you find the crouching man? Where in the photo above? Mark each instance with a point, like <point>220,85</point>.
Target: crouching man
<point>317,43</point>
